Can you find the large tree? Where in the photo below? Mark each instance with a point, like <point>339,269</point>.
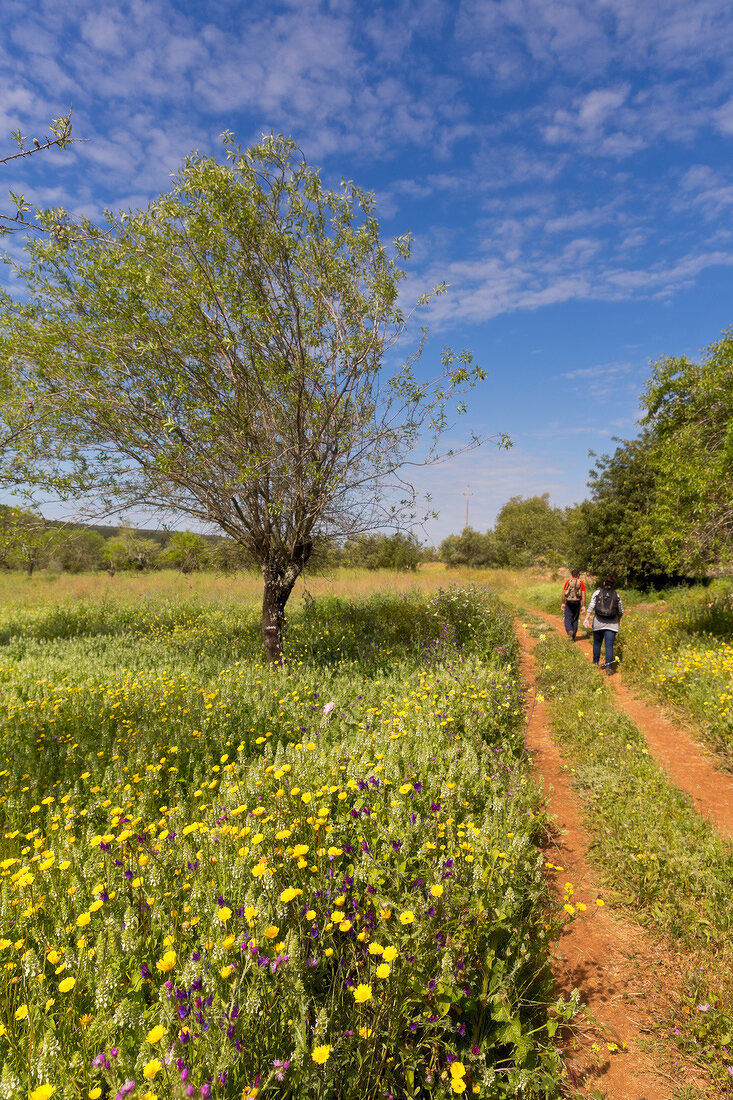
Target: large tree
<point>689,421</point>
<point>614,531</point>
<point>662,504</point>
<point>220,355</point>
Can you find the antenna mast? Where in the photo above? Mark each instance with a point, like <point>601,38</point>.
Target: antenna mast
<point>468,494</point>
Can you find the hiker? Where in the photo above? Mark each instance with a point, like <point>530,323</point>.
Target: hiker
<point>604,615</point>
<point>573,594</point>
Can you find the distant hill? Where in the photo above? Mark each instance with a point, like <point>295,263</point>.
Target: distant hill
<point>159,536</point>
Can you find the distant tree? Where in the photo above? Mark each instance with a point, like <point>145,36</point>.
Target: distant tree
<point>130,551</point>
<point>530,532</point>
<point>326,555</point>
<point>220,355</point>
<point>186,551</point>
<point>470,549</point>
<point>228,556</point>
<point>398,551</point>
<point>25,539</point>
<point>76,550</point>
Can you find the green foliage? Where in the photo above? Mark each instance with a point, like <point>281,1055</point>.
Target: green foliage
<point>689,415</point>
<point>186,551</point>
<point>130,551</point>
<point>76,550</point>
<point>471,549</point>
<point>661,507</point>
<point>26,539</point>
<point>614,531</point>
<point>399,552</point>
<point>530,532</point>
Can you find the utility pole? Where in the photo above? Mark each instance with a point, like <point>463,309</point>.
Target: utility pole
<point>468,495</point>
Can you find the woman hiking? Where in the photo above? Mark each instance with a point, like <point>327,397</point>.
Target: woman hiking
<point>604,617</point>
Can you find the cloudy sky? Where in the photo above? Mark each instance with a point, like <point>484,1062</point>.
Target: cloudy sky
<point>565,165</point>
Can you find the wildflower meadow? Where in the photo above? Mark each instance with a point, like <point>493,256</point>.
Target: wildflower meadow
<point>220,879</point>
<point>683,653</point>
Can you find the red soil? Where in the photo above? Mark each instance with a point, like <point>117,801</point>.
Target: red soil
<point>628,980</point>
<point>600,953</point>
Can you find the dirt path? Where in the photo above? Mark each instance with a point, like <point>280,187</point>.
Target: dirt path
<point>682,757</point>
<point>621,975</point>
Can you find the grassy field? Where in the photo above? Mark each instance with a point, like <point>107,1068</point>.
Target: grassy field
<point>18,590</point>
<point>220,879</point>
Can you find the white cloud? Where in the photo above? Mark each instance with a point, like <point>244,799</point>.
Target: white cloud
<point>597,122</point>
<point>583,35</point>
<point>724,118</point>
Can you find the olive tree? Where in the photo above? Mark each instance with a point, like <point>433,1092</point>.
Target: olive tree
<point>220,355</point>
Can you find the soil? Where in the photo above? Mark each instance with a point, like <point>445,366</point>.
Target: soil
<point>626,978</point>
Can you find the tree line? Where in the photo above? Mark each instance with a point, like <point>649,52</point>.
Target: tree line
<point>28,542</point>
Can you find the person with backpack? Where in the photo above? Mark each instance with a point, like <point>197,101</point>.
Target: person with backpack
<point>573,594</point>
<point>604,616</point>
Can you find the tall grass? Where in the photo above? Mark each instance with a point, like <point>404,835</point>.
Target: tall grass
<point>16,589</point>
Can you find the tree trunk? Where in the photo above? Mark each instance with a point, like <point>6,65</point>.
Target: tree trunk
<point>279,580</point>
<point>277,591</point>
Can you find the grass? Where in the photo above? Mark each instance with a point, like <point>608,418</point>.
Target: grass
<point>18,590</point>
<point>666,865</point>
<point>318,881</point>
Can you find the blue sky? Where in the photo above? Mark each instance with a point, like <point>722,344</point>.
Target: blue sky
<point>565,165</point>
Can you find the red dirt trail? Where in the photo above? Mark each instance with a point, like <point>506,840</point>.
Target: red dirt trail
<point>614,964</point>
<point>680,755</point>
